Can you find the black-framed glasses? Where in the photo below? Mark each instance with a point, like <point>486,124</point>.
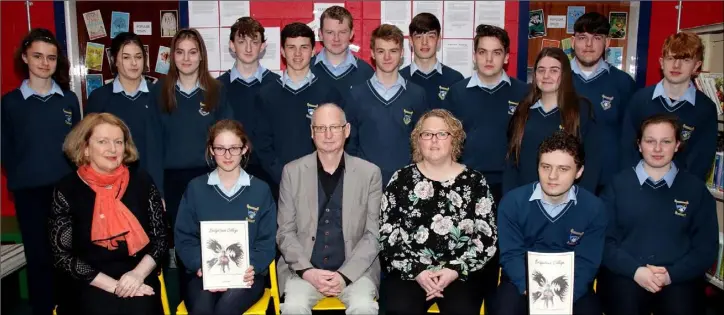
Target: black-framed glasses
<point>440,135</point>
<point>333,128</point>
<point>221,151</point>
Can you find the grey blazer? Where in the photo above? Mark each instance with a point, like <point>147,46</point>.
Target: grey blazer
<point>298,214</point>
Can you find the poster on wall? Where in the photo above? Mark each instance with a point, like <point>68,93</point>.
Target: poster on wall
<point>614,56</point>
<point>567,46</point>
<point>162,60</point>
<point>573,14</point>
<point>94,24</point>
<point>490,12</point>
<point>556,21</point>
<point>169,23</point>
<point>396,13</point>
<point>142,28</point>
<point>94,56</point>
<point>119,22</point>
<point>230,11</point>
<point>148,58</point>
<point>459,19</point>
<point>318,9</point>
<point>618,24</point>
<point>92,82</point>
<point>536,24</point>
<point>550,43</point>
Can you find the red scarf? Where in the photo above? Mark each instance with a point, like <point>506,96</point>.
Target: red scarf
<point>112,221</point>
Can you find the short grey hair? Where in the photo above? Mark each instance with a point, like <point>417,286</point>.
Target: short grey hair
<point>331,105</point>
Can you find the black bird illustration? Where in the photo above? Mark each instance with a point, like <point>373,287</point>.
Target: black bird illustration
<point>232,253</point>
<point>548,290</point>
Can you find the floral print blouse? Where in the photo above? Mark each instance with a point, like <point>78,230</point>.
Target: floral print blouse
<point>430,225</point>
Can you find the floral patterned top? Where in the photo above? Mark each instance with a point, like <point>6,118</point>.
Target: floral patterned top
<point>428,224</point>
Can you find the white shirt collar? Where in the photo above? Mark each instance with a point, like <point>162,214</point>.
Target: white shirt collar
<point>377,83</point>
<point>118,87</point>
<point>243,180</point>
<point>437,67</point>
<point>181,88</point>
<point>475,81</point>
<point>689,95</point>
<point>601,66</point>
<point>258,74</point>
<point>349,59</point>
<point>27,91</point>
<point>538,194</point>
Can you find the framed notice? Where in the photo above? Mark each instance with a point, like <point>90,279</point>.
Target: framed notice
<point>550,283</point>
<point>224,254</point>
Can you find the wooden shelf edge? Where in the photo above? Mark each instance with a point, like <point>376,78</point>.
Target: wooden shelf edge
<point>714,281</point>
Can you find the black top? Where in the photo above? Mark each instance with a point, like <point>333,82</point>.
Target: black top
<point>329,181</point>
<point>70,229</point>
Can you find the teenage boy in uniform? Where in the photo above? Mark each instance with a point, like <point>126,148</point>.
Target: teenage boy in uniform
<point>245,79</point>
<point>425,69</point>
<point>283,111</point>
<point>335,64</point>
<point>607,87</point>
<point>681,57</point>
<point>384,109</point>
<point>484,103</point>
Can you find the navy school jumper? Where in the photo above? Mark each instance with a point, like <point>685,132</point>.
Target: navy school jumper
<point>435,84</point>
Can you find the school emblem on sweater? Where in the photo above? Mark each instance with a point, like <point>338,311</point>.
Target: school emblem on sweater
<point>68,116</point>
<point>251,212</point>
<point>443,92</point>
<point>681,207</point>
<point>202,109</point>
<point>511,107</point>
<point>574,238</point>
<point>686,132</point>
<point>407,118</point>
<point>606,101</point>
<point>310,110</point>
<point>560,127</point>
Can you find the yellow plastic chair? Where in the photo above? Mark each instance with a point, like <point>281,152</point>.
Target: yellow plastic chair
<point>329,304</point>
<point>260,307</point>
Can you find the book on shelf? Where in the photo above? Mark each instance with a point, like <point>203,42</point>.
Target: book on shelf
<point>712,84</point>
<point>717,268</point>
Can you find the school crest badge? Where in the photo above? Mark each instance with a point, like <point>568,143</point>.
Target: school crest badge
<point>310,110</point>
<point>251,213</point>
<point>606,101</point>
<point>686,132</point>
<point>681,207</point>
<point>68,116</point>
<point>511,107</point>
<point>443,92</point>
<point>407,116</point>
<point>574,237</point>
<point>202,109</point>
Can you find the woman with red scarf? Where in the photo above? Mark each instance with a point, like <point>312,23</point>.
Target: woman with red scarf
<point>107,227</point>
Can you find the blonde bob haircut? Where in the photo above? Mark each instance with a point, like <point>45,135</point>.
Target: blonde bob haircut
<point>77,140</point>
<point>454,125</point>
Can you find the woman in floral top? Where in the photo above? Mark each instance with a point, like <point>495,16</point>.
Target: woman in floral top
<point>437,225</point>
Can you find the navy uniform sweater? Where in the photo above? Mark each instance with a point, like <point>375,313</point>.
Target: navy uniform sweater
<point>183,132</point>
<point>354,75</point>
<point>651,223</point>
<point>33,132</point>
<point>698,124</point>
<point>436,85</point>
<point>204,202</point>
<point>609,93</point>
<point>541,125</point>
<point>140,119</point>
<point>381,129</point>
<point>485,114</point>
<point>524,226</point>
<point>283,115</point>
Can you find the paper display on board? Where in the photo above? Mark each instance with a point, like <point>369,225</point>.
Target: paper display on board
<point>203,14</point>
<point>169,22</point>
<point>614,56</point>
<point>94,56</point>
<point>224,254</point>
<point>233,10</point>
<point>148,58</point>
<point>573,14</point>
<point>119,22</point>
<point>567,46</point>
<point>618,21</point>
<point>490,13</point>
<point>550,283</point>
<point>228,58</point>
<point>459,19</point>
<point>142,28</point>
<point>271,56</point>
<point>92,82</point>
<point>406,53</point>
<point>163,60</point>
<point>550,43</point>
<point>556,21</point>
<point>458,54</point>
<point>213,51</point>
<point>433,7</point>
<point>318,10</point>
<point>536,24</point>
<point>109,58</point>
<point>396,13</point>
<point>94,24</point>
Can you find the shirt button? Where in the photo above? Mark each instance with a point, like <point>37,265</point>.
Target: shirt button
<point>326,259</point>
<point>326,221</point>
<point>325,246</point>
<point>326,233</point>
<point>327,210</point>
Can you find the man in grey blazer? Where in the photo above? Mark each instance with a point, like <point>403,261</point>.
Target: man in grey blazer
<point>329,206</point>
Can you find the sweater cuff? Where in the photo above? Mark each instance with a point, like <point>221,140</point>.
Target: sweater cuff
<point>300,273</point>
<point>347,282</point>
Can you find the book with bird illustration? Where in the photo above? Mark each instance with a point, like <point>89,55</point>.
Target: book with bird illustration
<point>224,254</point>
<point>550,283</point>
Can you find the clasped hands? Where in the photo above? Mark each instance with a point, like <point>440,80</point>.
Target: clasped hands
<point>248,278</point>
<point>329,283</point>
<point>131,285</point>
<point>652,278</point>
<point>434,282</point>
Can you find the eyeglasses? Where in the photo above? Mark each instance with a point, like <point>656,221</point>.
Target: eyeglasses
<point>221,151</point>
<point>334,128</point>
<point>440,135</point>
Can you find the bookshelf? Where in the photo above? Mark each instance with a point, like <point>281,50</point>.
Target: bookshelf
<point>716,282</point>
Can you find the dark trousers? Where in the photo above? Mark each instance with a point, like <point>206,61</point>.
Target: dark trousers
<point>622,295</point>
<point>408,297</point>
<point>487,278</point>
<point>230,302</point>
<point>174,183</point>
<point>510,302</point>
<point>32,207</point>
<point>89,300</point>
